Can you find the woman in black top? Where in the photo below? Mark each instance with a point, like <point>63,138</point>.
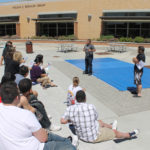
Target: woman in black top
<point>9,57</point>
<point>14,65</point>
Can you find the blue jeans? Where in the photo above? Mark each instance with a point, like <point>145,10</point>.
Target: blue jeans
<point>56,142</point>
<point>72,128</point>
<point>88,64</point>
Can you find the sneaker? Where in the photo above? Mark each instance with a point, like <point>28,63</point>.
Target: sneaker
<point>75,141</point>
<point>54,128</point>
<point>134,133</point>
<point>89,74</point>
<point>114,125</point>
<point>85,72</point>
<point>70,138</point>
<point>47,86</point>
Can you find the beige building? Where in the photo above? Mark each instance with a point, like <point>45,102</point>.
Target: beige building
<point>83,18</point>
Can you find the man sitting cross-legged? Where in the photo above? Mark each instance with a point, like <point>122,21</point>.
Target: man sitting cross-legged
<point>19,128</point>
<point>29,101</point>
<point>86,125</point>
<point>23,73</point>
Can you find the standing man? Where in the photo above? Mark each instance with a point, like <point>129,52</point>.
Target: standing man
<point>89,49</point>
<point>8,44</point>
<point>139,62</point>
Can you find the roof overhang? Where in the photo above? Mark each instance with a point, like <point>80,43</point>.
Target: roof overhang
<point>126,10</point>
<point>10,15</point>
<point>58,12</point>
<point>125,18</point>
<point>52,19</point>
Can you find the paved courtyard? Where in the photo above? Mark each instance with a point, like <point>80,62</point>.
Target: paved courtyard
<point>111,104</point>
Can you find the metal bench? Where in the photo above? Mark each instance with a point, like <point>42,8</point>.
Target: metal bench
<point>2,44</point>
<point>116,47</point>
<point>67,48</point>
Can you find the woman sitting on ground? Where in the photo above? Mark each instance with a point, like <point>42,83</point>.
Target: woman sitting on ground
<point>72,91</point>
<point>38,75</point>
<point>14,65</point>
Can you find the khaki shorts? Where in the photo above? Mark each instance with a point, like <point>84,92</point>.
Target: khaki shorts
<point>44,80</point>
<point>106,134</point>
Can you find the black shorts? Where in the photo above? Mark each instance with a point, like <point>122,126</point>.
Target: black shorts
<point>137,78</point>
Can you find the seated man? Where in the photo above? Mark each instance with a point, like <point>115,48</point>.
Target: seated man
<point>23,73</point>
<point>30,102</point>
<point>7,77</point>
<point>20,130</point>
<point>87,127</point>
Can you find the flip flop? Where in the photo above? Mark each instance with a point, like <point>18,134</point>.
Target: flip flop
<point>54,86</point>
<point>137,96</point>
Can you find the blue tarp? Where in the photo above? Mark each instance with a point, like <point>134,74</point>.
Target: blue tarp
<point>116,73</point>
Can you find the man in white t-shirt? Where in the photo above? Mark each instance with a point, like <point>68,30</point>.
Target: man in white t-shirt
<point>19,128</point>
<point>72,90</point>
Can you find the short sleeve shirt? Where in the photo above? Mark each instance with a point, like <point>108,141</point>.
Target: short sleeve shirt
<point>4,52</point>
<point>87,47</point>
<point>85,119</point>
<point>16,128</point>
<point>140,57</point>
<point>72,91</point>
<point>35,73</point>
<point>19,77</point>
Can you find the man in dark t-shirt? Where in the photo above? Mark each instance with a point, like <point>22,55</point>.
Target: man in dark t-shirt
<point>8,44</point>
<point>89,49</point>
<point>138,69</point>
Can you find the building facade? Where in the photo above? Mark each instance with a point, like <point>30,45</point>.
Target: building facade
<point>83,18</point>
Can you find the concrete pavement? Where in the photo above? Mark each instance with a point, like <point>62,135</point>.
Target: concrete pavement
<point>110,103</point>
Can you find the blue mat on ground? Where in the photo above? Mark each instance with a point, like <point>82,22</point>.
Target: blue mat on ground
<point>116,73</point>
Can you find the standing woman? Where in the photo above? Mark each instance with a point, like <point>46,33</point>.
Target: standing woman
<point>38,75</point>
<point>89,49</point>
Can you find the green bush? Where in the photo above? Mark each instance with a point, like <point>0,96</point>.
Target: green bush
<point>43,37</point>
<point>147,40</point>
<point>106,38</point>
<point>125,39</point>
<point>139,39</point>
<point>14,37</point>
<point>6,37</point>
<point>69,37</point>
<point>35,37</point>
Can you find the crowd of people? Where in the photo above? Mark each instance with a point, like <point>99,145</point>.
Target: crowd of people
<point>25,124</point>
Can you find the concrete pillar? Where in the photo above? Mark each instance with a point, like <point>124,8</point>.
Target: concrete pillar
<point>18,29</point>
<point>76,29</point>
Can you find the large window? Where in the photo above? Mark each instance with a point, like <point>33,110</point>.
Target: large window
<point>123,29</point>
<point>55,29</point>
<point>126,14</point>
<point>126,24</point>
<point>7,29</point>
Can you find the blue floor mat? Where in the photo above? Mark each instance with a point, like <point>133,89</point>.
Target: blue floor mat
<point>116,73</point>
